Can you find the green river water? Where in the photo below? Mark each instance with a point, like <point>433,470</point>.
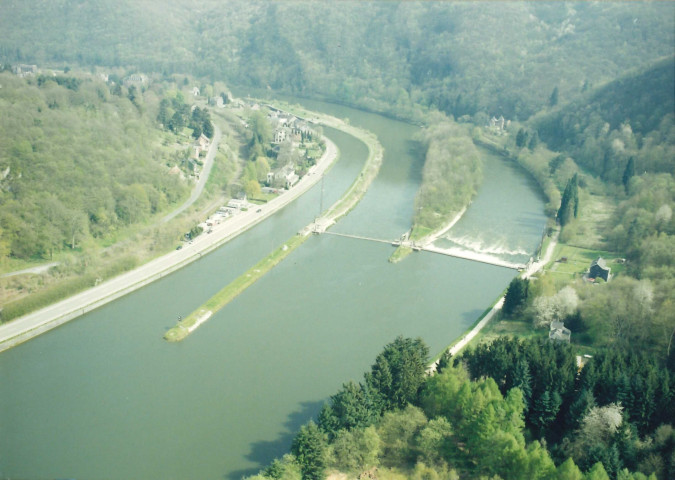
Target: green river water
<point>104,397</point>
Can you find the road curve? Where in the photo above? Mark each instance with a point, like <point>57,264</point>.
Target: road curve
<point>199,188</point>
<point>33,324</point>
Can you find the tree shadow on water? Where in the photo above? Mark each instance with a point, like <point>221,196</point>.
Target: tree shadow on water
<point>263,452</point>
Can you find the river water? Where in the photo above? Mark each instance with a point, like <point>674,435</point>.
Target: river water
<point>105,397</point>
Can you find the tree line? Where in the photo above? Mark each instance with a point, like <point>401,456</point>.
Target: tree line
<point>492,413</point>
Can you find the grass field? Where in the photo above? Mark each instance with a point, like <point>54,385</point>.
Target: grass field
<point>595,212</point>
<point>578,261</point>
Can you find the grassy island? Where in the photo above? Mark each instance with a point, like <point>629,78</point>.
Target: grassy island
<point>452,172</point>
<point>337,210</point>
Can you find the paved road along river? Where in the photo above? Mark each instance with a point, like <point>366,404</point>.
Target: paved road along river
<point>105,397</point>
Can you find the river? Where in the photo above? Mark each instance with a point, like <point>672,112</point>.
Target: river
<point>105,397</point>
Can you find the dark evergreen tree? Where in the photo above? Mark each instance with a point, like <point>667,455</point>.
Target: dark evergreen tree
<point>544,411</point>
<point>569,204</point>
<point>523,380</point>
<point>310,449</point>
<point>521,138</point>
<point>351,407</point>
<point>578,409</point>
<point>398,373</point>
<point>444,362</point>
<point>628,173</point>
<point>516,295</point>
<point>207,128</point>
<point>553,99</point>
<point>534,141</point>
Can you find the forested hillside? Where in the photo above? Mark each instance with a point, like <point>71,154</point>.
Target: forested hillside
<point>461,57</point>
<point>491,416</point>
<point>76,161</point>
<point>632,117</point>
<point>587,93</point>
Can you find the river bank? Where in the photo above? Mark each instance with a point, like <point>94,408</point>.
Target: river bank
<point>328,218</point>
<point>24,328</point>
<point>484,319</point>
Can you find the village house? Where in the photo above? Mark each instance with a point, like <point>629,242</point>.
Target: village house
<point>284,177</point>
<point>217,101</point>
<point>137,79</point>
<point>201,145</point>
<point>24,70</point>
<point>238,203</point>
<point>281,134</point>
<point>558,332</point>
<point>195,91</point>
<point>599,269</point>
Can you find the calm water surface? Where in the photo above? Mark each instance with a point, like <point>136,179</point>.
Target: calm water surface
<point>105,397</point>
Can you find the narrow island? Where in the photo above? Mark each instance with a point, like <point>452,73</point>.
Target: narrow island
<point>340,208</point>
<point>451,175</point>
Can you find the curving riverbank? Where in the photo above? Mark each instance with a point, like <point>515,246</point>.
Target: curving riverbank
<point>488,315</point>
<point>29,326</point>
<point>340,208</point>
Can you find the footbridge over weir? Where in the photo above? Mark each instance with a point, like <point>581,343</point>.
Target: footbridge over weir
<point>466,255</point>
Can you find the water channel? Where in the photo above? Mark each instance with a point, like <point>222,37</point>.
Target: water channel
<point>105,397</point>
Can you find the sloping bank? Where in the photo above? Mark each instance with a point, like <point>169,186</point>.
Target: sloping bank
<point>340,208</point>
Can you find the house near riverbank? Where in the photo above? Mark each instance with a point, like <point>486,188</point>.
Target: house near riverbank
<point>285,177</point>
<point>599,269</point>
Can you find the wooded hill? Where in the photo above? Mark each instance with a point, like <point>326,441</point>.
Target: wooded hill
<point>461,57</point>
<point>76,162</point>
<point>631,117</point>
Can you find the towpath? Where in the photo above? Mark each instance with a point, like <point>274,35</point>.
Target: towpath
<point>33,324</point>
<point>531,270</point>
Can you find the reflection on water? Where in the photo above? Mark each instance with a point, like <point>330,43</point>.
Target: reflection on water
<point>505,220</point>
<point>105,397</point>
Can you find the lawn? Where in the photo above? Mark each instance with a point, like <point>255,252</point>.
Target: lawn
<point>578,262</point>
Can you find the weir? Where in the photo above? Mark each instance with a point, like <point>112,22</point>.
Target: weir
<point>474,257</point>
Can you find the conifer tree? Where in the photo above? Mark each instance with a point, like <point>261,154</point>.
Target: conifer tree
<point>310,450</point>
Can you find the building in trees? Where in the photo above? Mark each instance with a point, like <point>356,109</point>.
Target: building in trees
<point>599,269</point>
<point>559,332</point>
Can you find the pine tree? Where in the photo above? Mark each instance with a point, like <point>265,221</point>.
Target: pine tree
<point>310,450</point>
<point>516,295</point>
<point>553,99</point>
<point>521,138</point>
<point>569,204</point>
<point>628,173</point>
<point>523,380</point>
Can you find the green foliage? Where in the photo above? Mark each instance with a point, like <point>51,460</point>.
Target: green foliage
<point>451,175</point>
<point>516,295</point>
<point>79,164</point>
<point>310,450</point>
<point>382,56</point>
<point>469,428</point>
<point>630,118</point>
<point>398,373</point>
<point>569,205</point>
<point>352,407</point>
<point>357,449</point>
